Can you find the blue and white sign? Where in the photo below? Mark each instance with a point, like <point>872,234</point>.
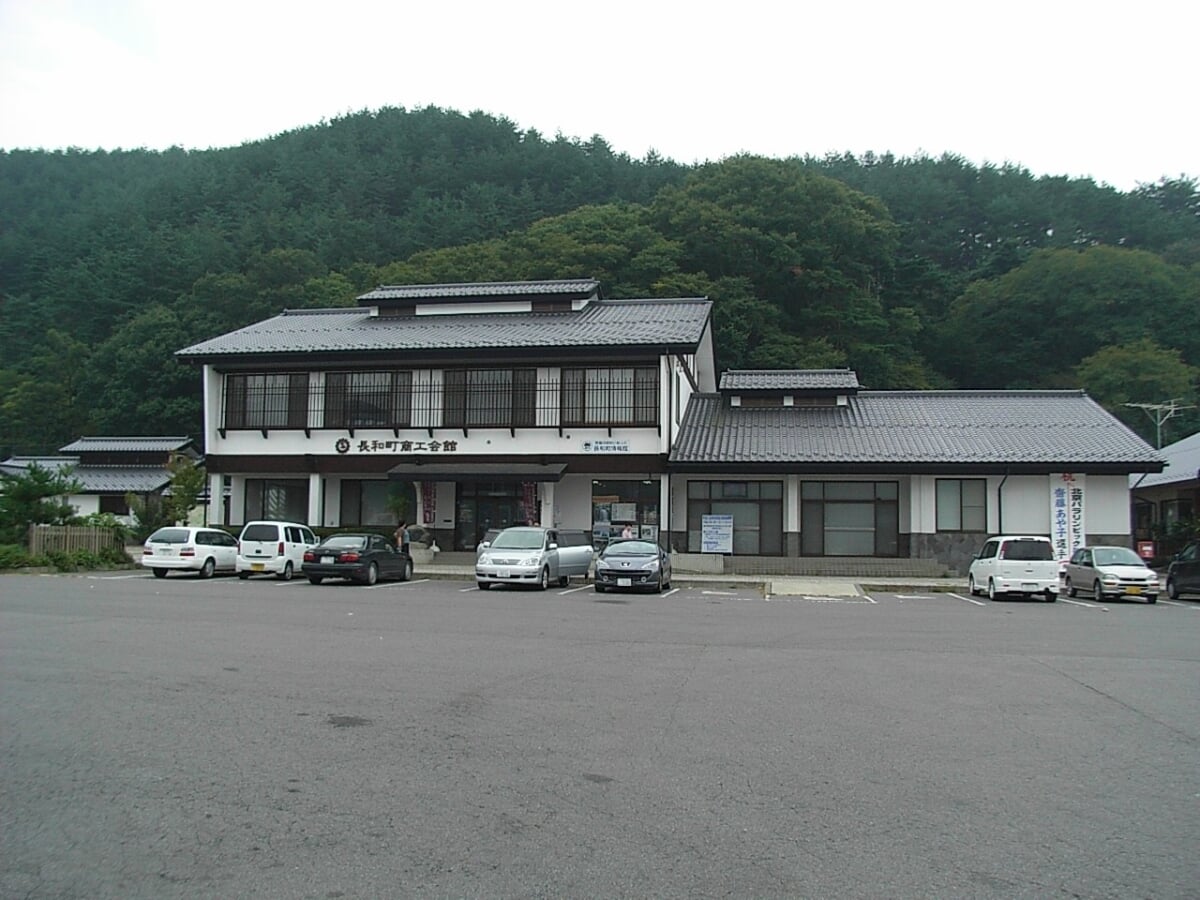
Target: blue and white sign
<point>1066,514</point>
<point>716,534</point>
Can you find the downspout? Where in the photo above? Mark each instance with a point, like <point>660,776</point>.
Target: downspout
<point>1000,504</point>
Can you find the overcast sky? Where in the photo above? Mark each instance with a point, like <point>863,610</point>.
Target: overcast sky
<point>1095,89</point>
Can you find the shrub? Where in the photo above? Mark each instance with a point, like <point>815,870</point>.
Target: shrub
<point>14,556</point>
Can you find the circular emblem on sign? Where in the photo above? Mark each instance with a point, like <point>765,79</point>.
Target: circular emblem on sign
<point>342,445</point>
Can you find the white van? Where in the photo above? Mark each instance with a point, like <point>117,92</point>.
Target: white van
<point>274,547</point>
<point>1015,564</point>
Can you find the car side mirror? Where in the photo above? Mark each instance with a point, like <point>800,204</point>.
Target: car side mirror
<point>485,544</point>
<point>553,546</point>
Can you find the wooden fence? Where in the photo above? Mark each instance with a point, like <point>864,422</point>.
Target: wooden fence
<point>68,538</point>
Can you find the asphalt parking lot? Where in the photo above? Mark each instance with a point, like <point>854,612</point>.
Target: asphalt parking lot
<point>224,738</point>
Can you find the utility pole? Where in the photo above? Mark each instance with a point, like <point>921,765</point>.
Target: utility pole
<point>1160,412</point>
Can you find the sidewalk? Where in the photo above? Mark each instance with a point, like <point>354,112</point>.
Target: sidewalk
<point>771,585</point>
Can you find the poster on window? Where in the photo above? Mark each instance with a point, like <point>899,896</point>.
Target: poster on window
<point>624,512</point>
<point>1066,514</point>
<point>716,534</point>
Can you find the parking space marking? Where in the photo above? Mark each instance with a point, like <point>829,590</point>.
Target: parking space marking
<point>395,584</point>
<point>673,590</point>
<point>968,599</point>
<point>1081,603</point>
<point>1177,603</point>
<point>574,590</point>
<point>119,577</point>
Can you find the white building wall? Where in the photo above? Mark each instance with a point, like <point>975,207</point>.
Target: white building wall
<point>573,502</point>
<point>85,504</point>
<point>1106,505</point>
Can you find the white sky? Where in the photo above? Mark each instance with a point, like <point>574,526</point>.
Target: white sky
<point>1061,87</point>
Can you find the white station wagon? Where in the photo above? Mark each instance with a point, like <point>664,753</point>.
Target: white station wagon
<point>1015,564</point>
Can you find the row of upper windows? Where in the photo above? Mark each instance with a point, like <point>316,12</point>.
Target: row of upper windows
<point>450,398</point>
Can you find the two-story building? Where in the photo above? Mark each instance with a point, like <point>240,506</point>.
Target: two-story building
<point>484,405</point>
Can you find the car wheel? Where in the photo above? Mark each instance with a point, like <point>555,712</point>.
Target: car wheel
<point>971,588</point>
<point>315,579</point>
<point>159,573</point>
<point>210,566</point>
<point>599,588</point>
<point>286,574</point>
<point>1051,597</point>
<point>243,575</point>
<point>372,575</point>
<point>406,572</point>
<point>1071,591</point>
<point>992,593</point>
<point>658,588</point>
<point>1152,598</point>
<point>564,580</point>
<point>1172,589</point>
<point>1097,592</point>
<point>483,585</point>
<point>544,581</point>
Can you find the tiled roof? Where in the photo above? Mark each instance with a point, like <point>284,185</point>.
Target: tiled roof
<point>96,479</point>
<point>498,289</point>
<point>952,428</point>
<point>1183,464</point>
<point>126,444</point>
<point>676,323</point>
<point>120,479</point>
<point>788,379</point>
<point>15,465</point>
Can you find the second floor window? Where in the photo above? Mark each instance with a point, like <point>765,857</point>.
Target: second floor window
<point>490,398</point>
<point>266,401</point>
<point>610,396</point>
<point>368,399</point>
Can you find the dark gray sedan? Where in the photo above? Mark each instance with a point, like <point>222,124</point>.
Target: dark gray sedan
<point>633,565</point>
<point>365,558</point>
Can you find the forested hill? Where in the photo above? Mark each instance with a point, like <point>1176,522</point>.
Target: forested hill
<point>916,272</point>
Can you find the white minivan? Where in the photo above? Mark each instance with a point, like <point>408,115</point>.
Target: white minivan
<point>273,547</point>
<point>1015,564</point>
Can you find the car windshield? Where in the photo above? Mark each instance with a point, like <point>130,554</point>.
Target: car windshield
<point>631,548</point>
<point>1116,556</point>
<point>518,540</point>
<point>171,536</point>
<point>1027,550</point>
<point>352,541</point>
<point>260,533</point>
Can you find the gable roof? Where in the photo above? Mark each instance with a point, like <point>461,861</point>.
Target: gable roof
<point>126,445</point>
<point>788,379</point>
<point>95,479</point>
<point>1183,464</point>
<point>567,287</point>
<point>676,324</point>
<point>890,431</point>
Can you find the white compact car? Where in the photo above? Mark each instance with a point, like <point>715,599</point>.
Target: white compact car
<point>1015,564</point>
<point>205,551</point>
<point>273,548</point>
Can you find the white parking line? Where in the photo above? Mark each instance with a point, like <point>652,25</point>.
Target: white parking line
<point>1177,603</point>
<point>575,590</point>
<point>1081,603</point>
<point>968,599</point>
<point>394,584</point>
<point>673,590</point>
<point>119,577</point>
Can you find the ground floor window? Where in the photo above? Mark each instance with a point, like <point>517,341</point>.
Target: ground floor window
<point>482,506</point>
<point>375,502</point>
<point>114,503</point>
<point>283,499</point>
<point>961,504</point>
<point>624,509</point>
<point>756,507</point>
<point>849,518</point>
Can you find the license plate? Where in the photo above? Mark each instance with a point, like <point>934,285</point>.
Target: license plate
<point>166,552</point>
<point>1134,590</point>
<point>1028,586</point>
<point>502,573</point>
<point>257,567</point>
<point>327,560</point>
<point>624,582</point>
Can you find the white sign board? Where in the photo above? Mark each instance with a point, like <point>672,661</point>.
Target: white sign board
<point>716,534</point>
<point>1066,514</point>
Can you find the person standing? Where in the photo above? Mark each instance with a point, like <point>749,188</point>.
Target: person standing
<point>402,535</point>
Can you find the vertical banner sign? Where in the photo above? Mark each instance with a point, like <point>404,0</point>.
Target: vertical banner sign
<point>1066,514</point>
<point>529,503</point>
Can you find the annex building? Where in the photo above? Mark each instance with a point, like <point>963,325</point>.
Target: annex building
<point>495,403</point>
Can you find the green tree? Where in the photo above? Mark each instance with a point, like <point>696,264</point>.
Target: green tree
<point>1138,372</point>
<point>37,496</point>
<point>187,485</point>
